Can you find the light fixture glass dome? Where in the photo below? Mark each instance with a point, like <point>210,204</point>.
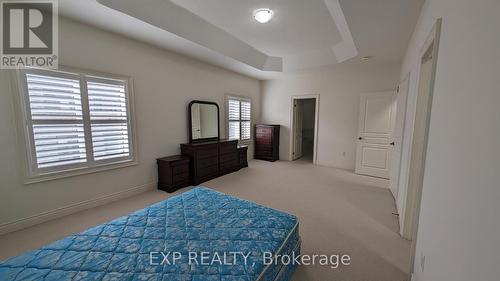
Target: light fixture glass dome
<point>263,15</point>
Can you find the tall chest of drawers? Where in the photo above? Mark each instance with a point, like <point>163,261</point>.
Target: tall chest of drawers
<point>267,141</point>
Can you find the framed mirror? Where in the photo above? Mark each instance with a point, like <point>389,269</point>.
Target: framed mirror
<point>203,121</point>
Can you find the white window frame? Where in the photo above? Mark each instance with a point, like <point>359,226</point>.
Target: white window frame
<point>34,174</point>
<point>239,98</point>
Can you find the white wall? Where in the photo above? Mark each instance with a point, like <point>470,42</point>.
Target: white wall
<point>339,89</point>
<point>459,226</point>
<point>164,84</point>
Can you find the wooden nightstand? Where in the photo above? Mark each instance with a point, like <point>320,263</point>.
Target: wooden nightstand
<point>242,156</point>
<point>173,173</point>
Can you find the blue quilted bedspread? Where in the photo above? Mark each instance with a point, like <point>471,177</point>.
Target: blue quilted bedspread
<point>143,245</point>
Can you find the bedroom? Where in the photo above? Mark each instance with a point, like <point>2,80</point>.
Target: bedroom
<point>160,62</point>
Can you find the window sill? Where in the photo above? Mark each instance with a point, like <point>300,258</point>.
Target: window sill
<point>78,172</point>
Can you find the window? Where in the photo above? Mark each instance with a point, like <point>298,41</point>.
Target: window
<point>239,112</point>
<point>75,121</point>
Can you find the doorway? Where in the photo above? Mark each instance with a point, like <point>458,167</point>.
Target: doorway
<point>304,120</point>
<point>425,89</point>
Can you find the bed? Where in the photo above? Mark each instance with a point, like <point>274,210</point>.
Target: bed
<point>184,227</point>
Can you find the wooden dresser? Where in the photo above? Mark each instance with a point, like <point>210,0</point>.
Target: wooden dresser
<point>267,141</point>
<point>211,159</point>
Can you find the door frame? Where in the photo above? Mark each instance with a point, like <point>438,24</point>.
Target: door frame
<point>414,197</point>
<point>298,129</point>
<point>316,123</point>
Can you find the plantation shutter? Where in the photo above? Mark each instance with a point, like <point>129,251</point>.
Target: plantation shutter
<point>56,118</point>
<point>108,118</point>
<point>234,119</point>
<point>239,118</point>
<point>74,122</point>
<point>245,120</point>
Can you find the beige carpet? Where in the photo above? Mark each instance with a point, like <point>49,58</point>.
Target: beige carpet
<point>339,213</point>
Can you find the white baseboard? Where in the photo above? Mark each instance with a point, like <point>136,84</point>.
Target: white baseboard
<point>73,208</point>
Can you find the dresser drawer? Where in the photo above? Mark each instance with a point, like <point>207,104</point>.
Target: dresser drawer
<point>207,153</point>
<point>243,159</point>
<point>228,157</point>
<point>208,171</point>
<point>230,165</point>
<point>176,170</point>
<point>266,154</point>
<point>265,139</point>
<point>264,148</point>
<point>263,131</point>
<point>177,178</point>
<point>229,147</point>
<point>205,162</point>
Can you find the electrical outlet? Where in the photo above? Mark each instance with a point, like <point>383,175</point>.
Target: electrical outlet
<point>422,263</point>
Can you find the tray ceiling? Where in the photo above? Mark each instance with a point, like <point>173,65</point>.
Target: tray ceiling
<point>303,33</point>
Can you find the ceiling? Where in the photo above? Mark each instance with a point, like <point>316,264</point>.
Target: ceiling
<point>293,34</point>
<point>303,34</point>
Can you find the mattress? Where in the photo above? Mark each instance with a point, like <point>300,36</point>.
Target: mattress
<point>168,240</point>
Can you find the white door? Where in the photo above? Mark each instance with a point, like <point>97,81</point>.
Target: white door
<point>397,139</point>
<point>298,115</point>
<point>376,122</point>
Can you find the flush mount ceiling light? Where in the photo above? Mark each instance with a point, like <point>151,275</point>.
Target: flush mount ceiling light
<point>263,15</point>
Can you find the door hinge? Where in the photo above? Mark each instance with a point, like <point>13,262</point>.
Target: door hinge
<point>398,89</point>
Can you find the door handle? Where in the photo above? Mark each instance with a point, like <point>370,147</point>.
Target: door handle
<point>360,138</point>
<point>392,143</point>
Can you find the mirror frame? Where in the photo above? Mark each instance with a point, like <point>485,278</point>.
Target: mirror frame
<point>190,123</point>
